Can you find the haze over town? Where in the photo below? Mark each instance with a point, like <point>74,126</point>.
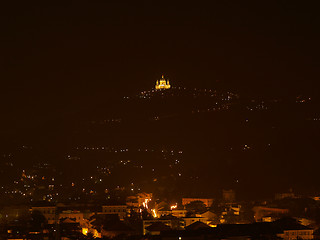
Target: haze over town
<point>156,120</point>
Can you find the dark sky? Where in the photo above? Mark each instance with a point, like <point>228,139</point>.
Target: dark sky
<point>59,56</point>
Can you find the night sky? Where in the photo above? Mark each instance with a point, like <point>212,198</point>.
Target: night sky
<point>69,47</point>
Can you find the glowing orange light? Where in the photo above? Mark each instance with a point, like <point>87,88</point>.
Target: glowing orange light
<point>85,231</point>
<point>154,214</point>
<point>174,206</point>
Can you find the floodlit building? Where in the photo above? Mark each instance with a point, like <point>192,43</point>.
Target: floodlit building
<point>208,215</point>
<point>189,220</point>
<point>120,210</point>
<point>274,230</point>
<point>156,228</point>
<point>49,212</point>
<point>174,212</point>
<point>162,83</point>
<point>295,234</point>
<point>77,216</point>
<point>261,211</point>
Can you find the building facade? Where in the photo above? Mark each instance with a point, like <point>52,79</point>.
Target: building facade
<point>49,212</point>
<point>162,84</point>
<point>120,210</point>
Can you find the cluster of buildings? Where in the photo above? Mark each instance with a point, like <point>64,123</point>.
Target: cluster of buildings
<point>141,215</point>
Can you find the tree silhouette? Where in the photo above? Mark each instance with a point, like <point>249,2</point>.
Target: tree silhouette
<point>196,207</point>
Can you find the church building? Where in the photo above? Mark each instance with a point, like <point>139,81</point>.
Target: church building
<point>162,83</point>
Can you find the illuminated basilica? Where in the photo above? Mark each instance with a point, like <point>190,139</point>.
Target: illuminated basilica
<point>162,83</point>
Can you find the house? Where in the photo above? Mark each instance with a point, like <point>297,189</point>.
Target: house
<point>261,211</point>
<point>189,220</point>
<point>157,227</point>
<point>292,229</point>
<point>179,213</point>
<point>287,229</point>
<point>147,223</point>
<point>69,228</point>
<point>120,210</point>
<point>208,215</point>
<point>196,226</point>
<point>70,214</point>
<point>48,211</point>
